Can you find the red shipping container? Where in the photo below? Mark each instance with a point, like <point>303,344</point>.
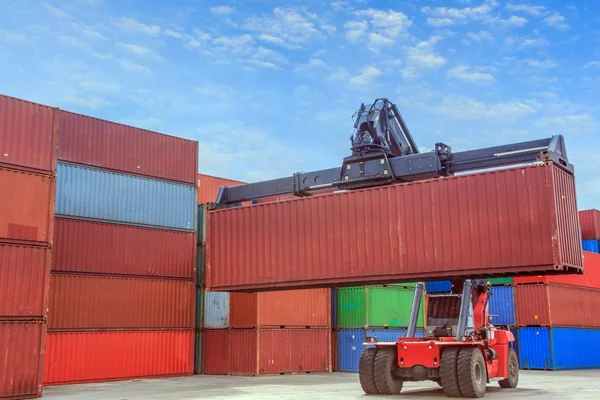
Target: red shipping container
<point>104,248</point>
<point>101,302</point>
<point>557,305</point>
<point>28,135</point>
<point>109,145</point>
<point>208,187</point>
<point>21,359</point>
<point>73,357</point>
<point>289,308</point>
<point>590,277</point>
<point>216,351</point>
<point>24,281</point>
<point>590,224</point>
<point>26,207</point>
<point>512,221</point>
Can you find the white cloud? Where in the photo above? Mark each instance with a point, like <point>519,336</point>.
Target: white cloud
<point>368,76</point>
<point>190,41</point>
<point>521,42</point>
<point>339,74</point>
<point>556,21</point>
<point>222,10</point>
<point>267,58</point>
<point>479,37</point>
<point>445,16</point>
<point>464,108</point>
<point>133,25</point>
<point>377,28</point>
<point>140,51</point>
<point>313,63</point>
<point>561,124</point>
<point>467,74</point>
<point>233,44</point>
<point>57,12</point>
<point>513,21</point>
<point>536,11</point>
<point>543,64</point>
<point>12,37</point>
<point>132,67</point>
<point>592,64</point>
<point>423,56</point>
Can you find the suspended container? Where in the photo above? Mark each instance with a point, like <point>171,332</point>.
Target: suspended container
<point>216,310</point>
<point>502,306</point>
<point>438,286</point>
<point>590,224</point>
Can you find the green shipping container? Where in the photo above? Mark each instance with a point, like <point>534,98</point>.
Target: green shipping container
<point>376,306</point>
<point>500,281</point>
<point>202,210</point>
<point>200,264</point>
<point>198,353</point>
<point>199,307</point>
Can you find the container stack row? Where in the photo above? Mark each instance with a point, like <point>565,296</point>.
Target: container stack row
<point>122,284</point>
<point>28,137</point>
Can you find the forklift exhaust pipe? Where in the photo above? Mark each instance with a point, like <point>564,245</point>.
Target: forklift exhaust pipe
<point>414,311</point>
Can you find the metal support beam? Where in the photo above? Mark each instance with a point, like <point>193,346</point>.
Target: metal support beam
<point>465,304</point>
<point>414,311</point>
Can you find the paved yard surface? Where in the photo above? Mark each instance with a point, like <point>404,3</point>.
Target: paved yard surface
<point>532,385</point>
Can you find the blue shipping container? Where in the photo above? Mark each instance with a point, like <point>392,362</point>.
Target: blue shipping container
<point>592,245</point>
<point>502,305</point>
<point>104,195</point>
<point>350,344</point>
<point>558,348</point>
<point>216,310</point>
<point>438,286</point>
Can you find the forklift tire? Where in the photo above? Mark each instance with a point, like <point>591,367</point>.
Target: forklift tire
<point>513,371</point>
<point>365,370</point>
<point>449,372</point>
<point>472,372</point>
<point>386,362</point>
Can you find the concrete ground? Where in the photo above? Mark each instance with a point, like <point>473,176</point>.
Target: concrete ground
<point>532,385</point>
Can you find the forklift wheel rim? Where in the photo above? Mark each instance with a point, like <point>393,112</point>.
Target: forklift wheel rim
<point>478,374</point>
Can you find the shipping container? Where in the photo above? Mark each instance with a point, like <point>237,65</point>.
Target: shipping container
<point>216,310</point>
<point>502,306</point>
<point>21,359</point>
<point>350,344</point>
<point>438,286</point>
<point>334,351</point>
<point>109,145</point>
<point>80,302</point>
<point>76,357</point>
<point>507,281</point>
<point>199,307</point>
<point>512,221</point>
<point>96,194</point>
<point>558,348</point>
<point>376,306</point>
<point>557,305</point>
<point>216,351</point>
<point>590,224</point>
<point>590,278</point>
<point>200,264</point>
<point>106,248</point>
<point>334,306</point>
<point>198,353</point>
<point>289,308</point>
<point>201,223</point>
<point>592,245</point>
<point>24,281</point>
<point>28,135</point>
<point>208,187</point>
<point>26,207</point>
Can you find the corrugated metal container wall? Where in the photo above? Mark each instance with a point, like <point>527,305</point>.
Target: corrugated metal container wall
<point>502,306</point>
<point>592,245</point>
<point>104,248</point>
<point>590,224</point>
<point>103,195</point>
<point>100,302</point>
<point>557,305</point>
<point>24,281</point>
<point>500,281</point>
<point>590,278</point>
<point>438,286</point>
<point>534,348</point>
<point>198,353</point>
<point>520,220</point>
<point>208,187</point>
<point>26,207</point>
<point>216,352</point>
<point>216,310</point>
<point>105,144</point>
<point>21,359</point>
<point>102,356</point>
<point>199,307</point>
<point>244,352</point>
<point>28,135</point>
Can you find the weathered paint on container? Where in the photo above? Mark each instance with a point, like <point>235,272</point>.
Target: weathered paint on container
<point>92,193</point>
<point>208,187</point>
<point>199,307</point>
<point>216,351</point>
<point>289,308</point>
<point>107,248</point>
<point>438,286</point>
<point>590,278</point>
<point>558,348</point>
<point>502,306</point>
<point>592,245</point>
<point>216,310</point>
<point>350,344</point>
<point>28,135</point>
<point>198,352</point>
<point>590,224</point>
<point>26,207</point>
<point>105,144</point>
<point>334,351</point>
<point>24,281</point>
<point>21,359</point>
<point>102,302</point>
<point>376,306</point>
<point>201,223</point>
<point>77,357</point>
<point>200,264</point>
<point>511,221</point>
<point>557,305</point>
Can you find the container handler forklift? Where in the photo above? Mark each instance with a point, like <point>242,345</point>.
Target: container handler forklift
<point>461,350</point>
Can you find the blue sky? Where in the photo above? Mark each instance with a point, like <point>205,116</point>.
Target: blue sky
<point>268,87</point>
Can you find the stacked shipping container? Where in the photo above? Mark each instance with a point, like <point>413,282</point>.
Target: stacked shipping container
<point>123,275</point>
<point>28,135</point>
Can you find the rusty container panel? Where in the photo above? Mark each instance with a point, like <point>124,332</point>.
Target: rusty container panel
<point>26,207</point>
<point>106,248</point>
<point>505,222</point>
<point>105,144</point>
<point>24,281</point>
<point>74,357</point>
<point>216,352</point>
<point>100,302</point>
<point>243,310</point>
<point>208,187</point>
<point>590,224</point>
<point>244,356</point>
<point>21,359</point>
<point>28,135</point>
<point>590,277</point>
<point>557,305</point>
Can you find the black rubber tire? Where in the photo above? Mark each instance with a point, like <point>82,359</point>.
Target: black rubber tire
<point>449,372</point>
<point>385,364</point>
<point>472,372</point>
<point>366,367</point>
<point>513,371</point>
